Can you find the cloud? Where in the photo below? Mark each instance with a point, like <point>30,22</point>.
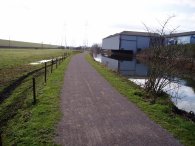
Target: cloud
<point>188,3</point>
<point>45,20</point>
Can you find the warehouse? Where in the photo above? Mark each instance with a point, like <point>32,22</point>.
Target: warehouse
<point>127,41</point>
<point>133,42</point>
<point>181,38</point>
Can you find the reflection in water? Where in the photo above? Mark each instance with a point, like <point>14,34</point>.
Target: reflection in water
<point>130,67</point>
<point>40,62</point>
<point>183,94</point>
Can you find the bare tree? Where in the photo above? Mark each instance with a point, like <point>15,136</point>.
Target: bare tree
<point>164,60</point>
<point>95,49</point>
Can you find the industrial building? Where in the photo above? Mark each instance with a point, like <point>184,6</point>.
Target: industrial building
<point>128,41</point>
<point>181,38</point>
<point>133,42</point>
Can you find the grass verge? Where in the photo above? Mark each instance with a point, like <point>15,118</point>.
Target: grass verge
<point>35,124</point>
<point>160,112</point>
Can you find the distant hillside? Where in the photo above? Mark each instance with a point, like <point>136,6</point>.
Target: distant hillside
<point>19,44</point>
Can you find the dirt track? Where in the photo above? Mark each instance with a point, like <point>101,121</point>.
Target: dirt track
<point>95,114</point>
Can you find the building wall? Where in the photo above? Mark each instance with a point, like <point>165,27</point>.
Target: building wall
<point>128,43</point>
<point>134,43</point>
<point>128,37</point>
<point>192,41</point>
<point>183,40</point>
<point>111,43</point>
<point>143,42</point>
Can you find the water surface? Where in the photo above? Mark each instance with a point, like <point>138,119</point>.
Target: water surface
<point>183,95</point>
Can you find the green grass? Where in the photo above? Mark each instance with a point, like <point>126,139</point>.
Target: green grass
<point>160,112</point>
<point>16,57</point>
<point>14,63</point>
<point>35,124</point>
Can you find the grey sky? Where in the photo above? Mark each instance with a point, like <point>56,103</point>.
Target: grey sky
<point>88,21</point>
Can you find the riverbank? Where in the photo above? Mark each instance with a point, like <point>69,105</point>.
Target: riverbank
<point>160,112</point>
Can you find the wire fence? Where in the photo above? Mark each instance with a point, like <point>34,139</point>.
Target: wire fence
<point>6,87</point>
<point>28,85</point>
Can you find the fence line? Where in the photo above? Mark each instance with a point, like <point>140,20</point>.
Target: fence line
<point>34,92</point>
<point>56,63</point>
<point>1,144</point>
<point>45,72</point>
<point>51,65</point>
<point>9,86</point>
<point>38,73</point>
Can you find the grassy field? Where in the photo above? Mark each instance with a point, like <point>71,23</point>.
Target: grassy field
<point>14,63</point>
<point>35,124</point>
<point>20,44</point>
<point>16,57</point>
<point>160,112</point>
<point>21,122</point>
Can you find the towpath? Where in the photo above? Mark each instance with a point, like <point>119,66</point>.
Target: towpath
<point>95,114</point>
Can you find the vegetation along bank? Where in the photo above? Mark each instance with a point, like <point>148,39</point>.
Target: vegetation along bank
<point>160,111</point>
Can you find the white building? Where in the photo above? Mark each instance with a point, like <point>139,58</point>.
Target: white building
<point>128,41</point>
<point>181,38</point>
<point>133,42</point>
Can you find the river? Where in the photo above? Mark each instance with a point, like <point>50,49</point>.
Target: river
<point>183,94</point>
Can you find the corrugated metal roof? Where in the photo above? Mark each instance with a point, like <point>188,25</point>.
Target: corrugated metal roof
<point>137,33</point>
<point>181,34</point>
<point>111,35</point>
<point>133,33</point>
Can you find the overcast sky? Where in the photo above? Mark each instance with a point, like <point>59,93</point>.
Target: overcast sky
<point>80,22</point>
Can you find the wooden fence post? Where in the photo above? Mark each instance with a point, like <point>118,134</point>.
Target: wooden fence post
<point>45,72</point>
<point>34,92</point>
<point>51,65</point>
<point>1,143</point>
<point>56,63</point>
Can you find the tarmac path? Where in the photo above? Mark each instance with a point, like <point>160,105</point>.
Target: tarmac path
<point>95,114</point>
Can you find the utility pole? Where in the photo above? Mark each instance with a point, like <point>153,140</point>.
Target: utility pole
<point>65,43</point>
<point>9,42</point>
<point>85,40</point>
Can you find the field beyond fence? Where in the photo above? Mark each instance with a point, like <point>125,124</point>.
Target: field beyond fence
<point>25,80</point>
